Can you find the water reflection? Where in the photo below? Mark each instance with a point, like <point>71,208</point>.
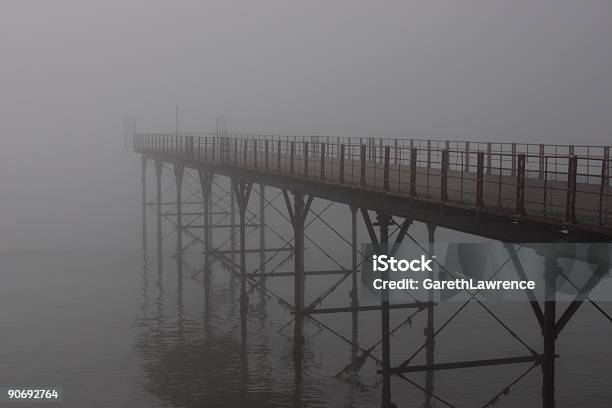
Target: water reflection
<point>190,361</point>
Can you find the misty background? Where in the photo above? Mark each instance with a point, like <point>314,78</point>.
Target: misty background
<point>70,71</point>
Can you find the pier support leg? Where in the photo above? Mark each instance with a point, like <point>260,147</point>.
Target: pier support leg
<point>262,231</point>
<point>206,187</point>
<point>242,190</point>
<point>429,330</point>
<point>299,279</point>
<point>297,214</point>
<point>144,208</point>
<point>552,270</point>
<point>158,184</point>
<point>178,176</point>
<point>381,247</point>
<point>354,290</point>
<point>383,220</point>
<point>233,220</point>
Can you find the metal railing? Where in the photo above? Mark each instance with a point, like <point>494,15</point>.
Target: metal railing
<point>567,183</point>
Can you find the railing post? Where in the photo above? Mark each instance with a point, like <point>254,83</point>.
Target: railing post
<point>235,151</point>
<point>480,180</point>
<point>570,205</point>
<point>541,163</point>
<point>255,152</point>
<point>513,160</point>
<point>323,161</point>
<point>603,189</point>
<point>395,152</point>
<point>267,154</point>
<point>413,169</point>
<point>278,154</point>
<point>444,176</point>
<point>214,142</point>
<point>428,155</point>
<point>489,157</point>
<point>363,165</point>
<point>467,157</point>
<point>520,185</point>
<point>306,159</point>
<point>386,171</point>
<point>245,149</point>
<point>342,148</point>
<point>291,156</point>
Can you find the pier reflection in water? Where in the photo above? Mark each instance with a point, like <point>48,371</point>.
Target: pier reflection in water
<point>328,359</point>
<point>107,332</point>
<point>198,349</point>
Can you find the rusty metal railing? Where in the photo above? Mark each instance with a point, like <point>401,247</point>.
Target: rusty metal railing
<point>565,183</point>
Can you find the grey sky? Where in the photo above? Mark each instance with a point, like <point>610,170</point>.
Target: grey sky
<point>71,70</point>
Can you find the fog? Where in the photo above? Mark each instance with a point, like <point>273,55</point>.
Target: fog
<point>70,72</point>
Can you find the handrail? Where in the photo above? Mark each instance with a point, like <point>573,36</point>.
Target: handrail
<point>573,187</point>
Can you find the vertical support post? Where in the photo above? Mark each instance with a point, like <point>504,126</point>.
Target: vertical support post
<point>395,152</point>
<point>444,176</point>
<point>235,151</point>
<point>513,159</point>
<point>354,290</point>
<point>278,156</point>
<point>480,180</point>
<point>322,161</point>
<point>178,177</point>
<point>570,205</point>
<point>362,165</point>
<point>242,190</point>
<point>520,185</point>
<point>143,180</point>
<point>489,158</point>
<point>206,187</point>
<point>384,220</point>
<point>386,169</point>
<point>306,149</point>
<point>255,153</point>
<point>429,331</point>
<point>213,149</point>
<point>354,293</point>
<point>292,158</point>
<point>342,148</point>
<point>298,217</point>
<point>266,146</point>
<point>541,163</point>
<point>262,230</point>
<point>467,157</point>
<point>548,331</point>
<point>233,219</point>
<point>158,181</point>
<point>413,169</point>
<point>603,186</point>
<point>245,152</point>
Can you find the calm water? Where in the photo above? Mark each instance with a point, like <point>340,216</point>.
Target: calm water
<point>114,334</point>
